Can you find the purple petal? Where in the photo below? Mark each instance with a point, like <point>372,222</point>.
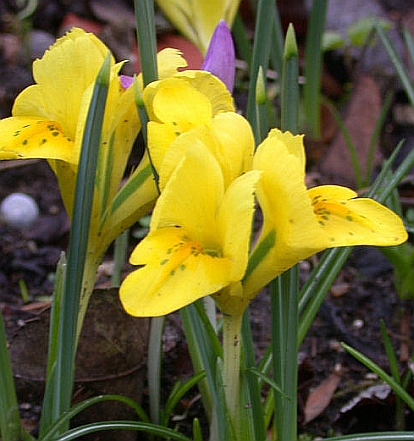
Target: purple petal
<point>220,59</point>
<point>126,81</point>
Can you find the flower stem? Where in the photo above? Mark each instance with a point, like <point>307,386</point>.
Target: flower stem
<point>231,361</point>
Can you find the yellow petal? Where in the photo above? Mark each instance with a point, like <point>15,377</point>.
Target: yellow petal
<point>181,105</point>
<point>236,144</point>
<point>290,229</point>
<point>167,156</point>
<point>180,13</point>
<point>62,75</point>
<point>235,221</point>
<point>347,220</point>
<point>120,128</point>
<point>292,143</point>
<point>202,82</point>
<point>177,274</point>
<point>192,197</point>
<point>228,137</point>
<point>210,86</point>
<point>197,19</point>
<point>169,61</point>
<point>28,137</point>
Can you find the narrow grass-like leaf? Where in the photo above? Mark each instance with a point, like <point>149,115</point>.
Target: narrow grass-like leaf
<point>248,365</point>
<point>320,280</point>
<point>202,355</point>
<point>313,66</point>
<point>261,49</point>
<point>399,66</point>
<point>284,313</point>
<point>397,388</point>
<point>120,254</point>
<point>393,364</point>
<point>178,392</point>
<point>154,367</point>
<point>260,252</point>
<point>375,137</point>
<point>268,380</point>
<point>384,175</point>
<point>209,329</point>
<point>379,436</point>
<point>241,40</point>
<point>147,41</point>
<point>133,184</point>
<point>197,433</point>
<point>290,85</point>
<point>78,241</point>
<point>78,408</point>
<point>10,424</point>
<point>409,41</point>
<point>385,185</point>
<point>277,44</point>
<point>152,429</point>
<point>391,357</point>
<point>356,167</point>
<point>284,290</point>
<point>47,411</point>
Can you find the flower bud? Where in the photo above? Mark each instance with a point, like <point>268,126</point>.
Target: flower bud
<point>220,59</point>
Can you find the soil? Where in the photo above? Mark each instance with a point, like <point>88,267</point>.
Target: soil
<point>329,377</point>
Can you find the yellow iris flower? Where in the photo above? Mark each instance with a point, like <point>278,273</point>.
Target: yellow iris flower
<point>197,19</point>
<point>49,118</point>
<point>198,241</point>
<point>299,222</point>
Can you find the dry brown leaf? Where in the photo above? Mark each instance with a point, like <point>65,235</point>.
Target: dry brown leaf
<point>320,397</point>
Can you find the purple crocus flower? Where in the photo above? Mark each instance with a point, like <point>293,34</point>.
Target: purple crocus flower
<point>220,57</point>
<point>126,81</point>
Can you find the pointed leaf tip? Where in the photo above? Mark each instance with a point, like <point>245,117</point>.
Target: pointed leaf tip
<point>104,72</point>
<point>291,47</point>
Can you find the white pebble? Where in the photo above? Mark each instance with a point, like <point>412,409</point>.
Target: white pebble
<point>18,210</point>
<point>358,324</point>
